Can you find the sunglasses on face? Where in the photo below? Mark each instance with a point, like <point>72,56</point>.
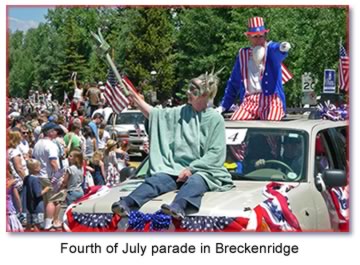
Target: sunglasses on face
<point>194,92</point>
<point>25,133</point>
<point>194,89</point>
<point>257,36</point>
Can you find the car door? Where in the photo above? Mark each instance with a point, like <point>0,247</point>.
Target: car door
<point>329,154</point>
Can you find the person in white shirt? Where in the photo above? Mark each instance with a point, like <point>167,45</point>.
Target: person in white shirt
<point>24,143</point>
<point>104,136</point>
<point>47,152</point>
<point>78,92</point>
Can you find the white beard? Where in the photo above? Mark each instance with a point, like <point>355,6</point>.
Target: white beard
<point>258,54</point>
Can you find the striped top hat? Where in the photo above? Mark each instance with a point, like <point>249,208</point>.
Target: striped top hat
<point>256,26</point>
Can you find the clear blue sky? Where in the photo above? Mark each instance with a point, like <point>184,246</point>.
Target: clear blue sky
<point>23,18</point>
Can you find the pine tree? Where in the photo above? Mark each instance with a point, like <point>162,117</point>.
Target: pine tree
<point>149,47</point>
<point>71,60</point>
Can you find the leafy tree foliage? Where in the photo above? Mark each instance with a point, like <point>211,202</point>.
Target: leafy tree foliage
<point>149,48</point>
<point>178,43</point>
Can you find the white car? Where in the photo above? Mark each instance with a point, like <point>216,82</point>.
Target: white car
<point>128,125</point>
<point>256,157</point>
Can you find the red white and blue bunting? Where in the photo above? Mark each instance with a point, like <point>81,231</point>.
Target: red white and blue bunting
<point>273,215</point>
<point>329,111</point>
<point>340,198</point>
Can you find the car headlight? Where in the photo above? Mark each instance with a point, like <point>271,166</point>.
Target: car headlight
<point>121,134</point>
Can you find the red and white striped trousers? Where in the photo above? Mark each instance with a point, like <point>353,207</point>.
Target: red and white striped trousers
<point>259,106</point>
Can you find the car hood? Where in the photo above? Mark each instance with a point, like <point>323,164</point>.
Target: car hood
<point>235,202</point>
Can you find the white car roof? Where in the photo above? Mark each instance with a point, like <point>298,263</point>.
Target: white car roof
<point>297,123</point>
<point>131,111</point>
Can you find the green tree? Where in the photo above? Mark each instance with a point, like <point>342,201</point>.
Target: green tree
<point>199,41</point>
<point>178,43</point>
<point>149,47</point>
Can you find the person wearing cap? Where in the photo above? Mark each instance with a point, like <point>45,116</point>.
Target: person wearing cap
<point>187,151</point>
<point>47,152</point>
<point>256,77</point>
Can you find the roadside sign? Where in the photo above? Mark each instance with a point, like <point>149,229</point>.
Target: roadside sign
<point>308,83</point>
<point>329,81</point>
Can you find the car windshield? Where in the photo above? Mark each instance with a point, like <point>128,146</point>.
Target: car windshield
<point>266,154</point>
<point>260,154</point>
<point>130,118</point>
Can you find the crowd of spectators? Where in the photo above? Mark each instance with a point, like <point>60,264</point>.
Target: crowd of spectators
<point>54,153</point>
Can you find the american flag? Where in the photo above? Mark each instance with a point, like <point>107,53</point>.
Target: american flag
<point>343,69</point>
<point>286,74</point>
<point>137,129</point>
<point>113,95</point>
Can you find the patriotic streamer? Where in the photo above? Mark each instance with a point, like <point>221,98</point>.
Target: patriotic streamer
<point>274,214</point>
<point>141,222</point>
<point>340,198</point>
<point>84,222</point>
<point>329,111</point>
<point>206,223</point>
<point>94,220</point>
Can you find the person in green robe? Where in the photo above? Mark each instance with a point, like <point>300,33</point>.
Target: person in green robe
<point>187,151</point>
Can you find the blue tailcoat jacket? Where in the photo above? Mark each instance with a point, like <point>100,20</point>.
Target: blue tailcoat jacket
<point>271,81</point>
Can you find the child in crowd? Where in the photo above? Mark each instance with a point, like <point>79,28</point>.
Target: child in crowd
<point>122,154</point>
<point>12,222</point>
<point>116,158</point>
<point>111,163</point>
<point>90,142</point>
<point>34,196</point>
<point>73,177</point>
<point>97,169</point>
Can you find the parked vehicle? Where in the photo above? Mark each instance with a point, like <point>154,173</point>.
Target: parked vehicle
<point>128,125</point>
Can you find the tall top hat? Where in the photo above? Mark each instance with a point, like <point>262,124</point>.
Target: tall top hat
<point>256,26</point>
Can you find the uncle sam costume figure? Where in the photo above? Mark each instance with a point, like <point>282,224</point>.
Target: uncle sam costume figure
<point>257,77</point>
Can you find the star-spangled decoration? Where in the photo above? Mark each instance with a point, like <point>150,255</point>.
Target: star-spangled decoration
<point>275,207</point>
<point>277,213</point>
<point>158,221</point>
<point>205,223</point>
<point>94,219</point>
